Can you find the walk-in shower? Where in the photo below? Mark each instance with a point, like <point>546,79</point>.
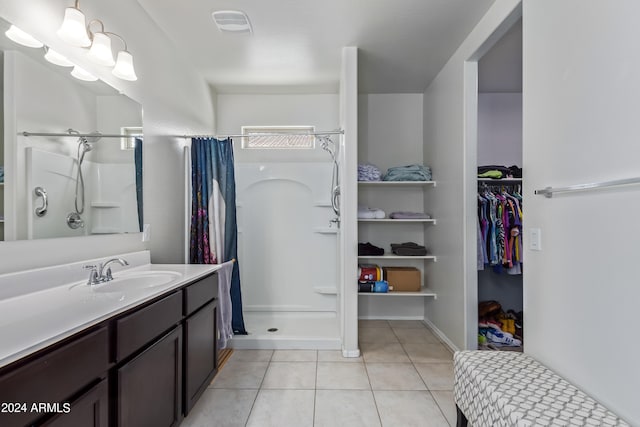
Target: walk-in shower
<point>74,219</point>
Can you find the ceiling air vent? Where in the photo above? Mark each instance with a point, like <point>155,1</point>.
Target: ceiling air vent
<point>232,21</point>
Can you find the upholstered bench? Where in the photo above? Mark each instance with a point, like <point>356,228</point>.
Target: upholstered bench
<point>504,388</point>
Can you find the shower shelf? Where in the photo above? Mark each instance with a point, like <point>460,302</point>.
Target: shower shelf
<point>105,205</point>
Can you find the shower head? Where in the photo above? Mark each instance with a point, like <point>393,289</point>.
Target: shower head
<point>84,144</point>
<point>327,145</point>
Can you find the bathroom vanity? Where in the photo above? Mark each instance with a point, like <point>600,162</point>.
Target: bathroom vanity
<point>144,358</point>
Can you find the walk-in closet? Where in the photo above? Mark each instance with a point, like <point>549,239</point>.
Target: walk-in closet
<point>500,211</point>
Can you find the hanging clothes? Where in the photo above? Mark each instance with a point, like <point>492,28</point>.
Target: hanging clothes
<point>500,228</point>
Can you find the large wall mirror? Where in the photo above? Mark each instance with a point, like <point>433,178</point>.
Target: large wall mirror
<point>65,185</point>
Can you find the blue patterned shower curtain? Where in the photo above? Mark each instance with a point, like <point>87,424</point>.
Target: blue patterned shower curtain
<point>214,230</point>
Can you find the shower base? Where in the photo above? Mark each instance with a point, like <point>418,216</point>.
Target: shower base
<point>300,331</point>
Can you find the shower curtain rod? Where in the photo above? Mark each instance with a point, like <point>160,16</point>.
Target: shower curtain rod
<point>330,132</point>
<point>79,135</point>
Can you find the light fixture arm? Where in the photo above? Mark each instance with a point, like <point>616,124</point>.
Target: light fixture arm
<point>120,37</point>
<point>89,27</point>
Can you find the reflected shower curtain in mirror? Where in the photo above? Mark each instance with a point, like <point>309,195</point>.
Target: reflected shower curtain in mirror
<point>214,231</point>
<point>137,155</point>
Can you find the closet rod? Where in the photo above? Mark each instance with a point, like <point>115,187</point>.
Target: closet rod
<point>78,135</point>
<point>549,191</point>
<point>330,132</point>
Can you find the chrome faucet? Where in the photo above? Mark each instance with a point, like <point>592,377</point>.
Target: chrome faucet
<point>105,275</point>
<point>99,275</point>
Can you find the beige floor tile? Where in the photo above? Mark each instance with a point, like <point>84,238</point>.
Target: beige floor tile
<point>221,408</point>
<point>336,356</point>
<point>381,352</point>
<point>240,375</point>
<point>408,409</point>
<point>415,336</point>
<point>378,335</point>
<point>394,376</point>
<point>251,355</point>
<point>428,353</point>
<point>345,408</point>
<point>283,408</point>
<point>295,356</point>
<point>363,324</point>
<point>290,375</point>
<point>407,324</point>
<point>437,376</point>
<point>342,376</point>
<point>445,401</point>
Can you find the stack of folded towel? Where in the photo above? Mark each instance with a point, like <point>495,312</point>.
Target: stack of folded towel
<point>409,215</point>
<point>365,212</point>
<point>1,173</point>
<point>365,249</point>
<point>408,249</point>
<point>368,172</point>
<point>408,173</point>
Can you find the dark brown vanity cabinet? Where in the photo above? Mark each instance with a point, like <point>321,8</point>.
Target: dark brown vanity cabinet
<point>200,331</point>
<point>145,367</point>
<point>44,384</point>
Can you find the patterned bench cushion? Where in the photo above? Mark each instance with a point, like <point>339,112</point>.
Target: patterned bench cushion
<point>496,388</point>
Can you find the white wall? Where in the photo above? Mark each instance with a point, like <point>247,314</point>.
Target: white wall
<point>176,101</point>
<point>581,92</point>
<point>500,129</point>
<point>390,134</point>
<point>444,148</point>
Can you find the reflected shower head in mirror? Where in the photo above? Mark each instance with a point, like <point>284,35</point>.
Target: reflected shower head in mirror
<point>327,145</point>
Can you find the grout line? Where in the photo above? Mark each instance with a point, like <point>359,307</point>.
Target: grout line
<point>439,407</point>
<point>315,393</point>
<point>373,395</point>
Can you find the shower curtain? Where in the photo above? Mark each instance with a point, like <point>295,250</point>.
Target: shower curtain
<point>214,231</point>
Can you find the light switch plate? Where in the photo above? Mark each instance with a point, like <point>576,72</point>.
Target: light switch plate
<point>535,239</point>
<point>146,232</point>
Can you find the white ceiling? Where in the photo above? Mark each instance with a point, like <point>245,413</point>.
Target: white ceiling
<point>296,44</point>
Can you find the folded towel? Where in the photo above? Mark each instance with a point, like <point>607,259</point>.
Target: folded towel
<point>408,249</point>
<point>368,172</point>
<point>1,173</point>
<point>409,215</point>
<point>365,212</point>
<point>408,173</point>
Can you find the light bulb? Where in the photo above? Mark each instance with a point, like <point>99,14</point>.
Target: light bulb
<point>124,67</point>
<point>82,74</point>
<point>55,58</point>
<point>100,51</point>
<point>74,29</point>
<point>17,35</point>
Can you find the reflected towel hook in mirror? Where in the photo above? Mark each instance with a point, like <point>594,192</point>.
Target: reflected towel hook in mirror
<point>41,192</point>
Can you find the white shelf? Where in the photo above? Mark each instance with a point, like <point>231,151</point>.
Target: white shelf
<point>326,230</point>
<point>400,221</point>
<point>501,180</point>
<point>424,292</point>
<point>397,257</point>
<point>396,183</point>
<point>105,205</point>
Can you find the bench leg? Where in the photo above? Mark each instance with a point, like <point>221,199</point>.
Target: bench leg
<point>462,420</point>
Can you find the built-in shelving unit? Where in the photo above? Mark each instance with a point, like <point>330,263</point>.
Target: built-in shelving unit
<point>408,188</point>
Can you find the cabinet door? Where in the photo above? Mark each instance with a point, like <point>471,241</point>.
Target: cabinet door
<point>150,386</point>
<point>89,410</point>
<point>201,353</point>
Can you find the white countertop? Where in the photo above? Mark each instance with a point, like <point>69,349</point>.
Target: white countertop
<point>34,320</point>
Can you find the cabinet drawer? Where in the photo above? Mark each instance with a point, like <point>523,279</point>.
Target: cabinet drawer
<point>56,376</point>
<point>137,329</point>
<point>199,293</point>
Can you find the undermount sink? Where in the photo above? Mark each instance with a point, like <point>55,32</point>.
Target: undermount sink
<point>137,280</point>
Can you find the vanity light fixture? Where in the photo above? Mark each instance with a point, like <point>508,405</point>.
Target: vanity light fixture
<point>82,74</point>
<point>55,58</point>
<point>17,35</point>
<point>73,29</point>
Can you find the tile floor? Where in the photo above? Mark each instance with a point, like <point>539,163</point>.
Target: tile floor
<point>404,378</point>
